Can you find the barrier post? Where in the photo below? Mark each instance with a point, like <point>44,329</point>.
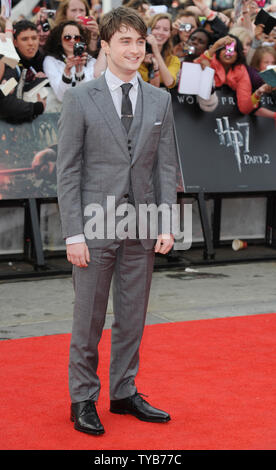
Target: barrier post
<point>32,237</point>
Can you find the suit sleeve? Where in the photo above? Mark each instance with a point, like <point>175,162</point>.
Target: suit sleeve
<point>167,161</point>
<point>69,165</point>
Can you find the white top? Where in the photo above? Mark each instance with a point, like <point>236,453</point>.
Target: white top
<point>114,84</point>
<point>54,68</point>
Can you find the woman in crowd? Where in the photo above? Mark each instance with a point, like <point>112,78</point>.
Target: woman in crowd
<point>44,26</point>
<point>61,65</point>
<point>79,11</point>
<point>71,9</point>
<point>198,42</point>
<point>226,57</point>
<point>263,57</point>
<point>185,23</point>
<point>160,67</point>
<point>246,38</point>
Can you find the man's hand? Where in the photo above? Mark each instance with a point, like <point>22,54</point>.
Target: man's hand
<point>164,243</point>
<point>78,254</point>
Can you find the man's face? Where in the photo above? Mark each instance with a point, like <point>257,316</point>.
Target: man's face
<point>125,52</point>
<point>27,43</point>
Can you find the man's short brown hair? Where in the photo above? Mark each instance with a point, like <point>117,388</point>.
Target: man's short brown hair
<point>113,21</point>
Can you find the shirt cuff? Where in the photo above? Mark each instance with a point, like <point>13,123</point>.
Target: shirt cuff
<point>75,239</point>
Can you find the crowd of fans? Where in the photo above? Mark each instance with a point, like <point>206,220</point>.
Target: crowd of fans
<point>64,47</point>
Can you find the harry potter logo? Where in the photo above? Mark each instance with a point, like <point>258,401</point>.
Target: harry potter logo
<point>236,138</point>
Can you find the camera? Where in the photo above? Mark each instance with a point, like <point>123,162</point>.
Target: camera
<point>185,27</point>
<point>85,19</point>
<point>50,13</point>
<point>230,49</point>
<point>45,26</point>
<point>188,50</point>
<point>148,46</point>
<point>79,49</point>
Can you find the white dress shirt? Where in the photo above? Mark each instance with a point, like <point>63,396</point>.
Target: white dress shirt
<point>114,84</point>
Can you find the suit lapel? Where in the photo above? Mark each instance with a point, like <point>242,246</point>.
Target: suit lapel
<point>101,96</point>
<point>103,100</point>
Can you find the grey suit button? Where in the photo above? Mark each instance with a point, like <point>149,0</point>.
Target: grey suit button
<point>126,196</point>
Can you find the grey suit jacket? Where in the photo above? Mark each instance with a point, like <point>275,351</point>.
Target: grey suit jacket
<point>93,158</point>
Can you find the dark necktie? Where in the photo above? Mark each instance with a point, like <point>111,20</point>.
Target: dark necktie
<point>126,113</point>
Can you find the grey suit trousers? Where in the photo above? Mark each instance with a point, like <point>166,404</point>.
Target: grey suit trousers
<point>132,266</point>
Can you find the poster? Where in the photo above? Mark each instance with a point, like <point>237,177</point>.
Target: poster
<point>28,158</point>
<point>224,150</point>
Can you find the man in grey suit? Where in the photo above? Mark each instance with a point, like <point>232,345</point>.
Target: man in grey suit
<point>116,140</point>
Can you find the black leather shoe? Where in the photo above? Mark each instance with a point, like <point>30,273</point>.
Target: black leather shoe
<point>85,417</point>
<point>137,406</point>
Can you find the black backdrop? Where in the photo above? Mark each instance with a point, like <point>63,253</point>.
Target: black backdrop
<point>220,151</point>
<point>223,150</point>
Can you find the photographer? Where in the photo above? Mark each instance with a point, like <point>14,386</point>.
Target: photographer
<point>44,23</point>
<point>160,67</point>
<point>198,42</point>
<point>78,10</point>
<point>67,63</point>
<point>226,57</point>
<point>185,23</point>
<point>70,10</point>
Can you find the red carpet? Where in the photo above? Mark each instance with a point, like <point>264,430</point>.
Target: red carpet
<point>217,378</point>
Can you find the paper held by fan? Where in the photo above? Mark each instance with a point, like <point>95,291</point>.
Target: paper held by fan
<point>196,81</point>
<point>8,53</point>
<point>269,75</point>
<point>6,8</point>
<point>8,86</point>
<point>36,87</point>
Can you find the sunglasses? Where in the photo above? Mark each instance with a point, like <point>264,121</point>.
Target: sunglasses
<point>68,37</point>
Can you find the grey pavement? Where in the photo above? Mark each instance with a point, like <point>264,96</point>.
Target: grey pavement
<point>44,306</point>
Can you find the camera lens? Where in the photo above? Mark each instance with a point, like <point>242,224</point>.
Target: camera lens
<point>188,50</point>
<point>148,48</point>
<point>79,48</point>
<point>45,26</point>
